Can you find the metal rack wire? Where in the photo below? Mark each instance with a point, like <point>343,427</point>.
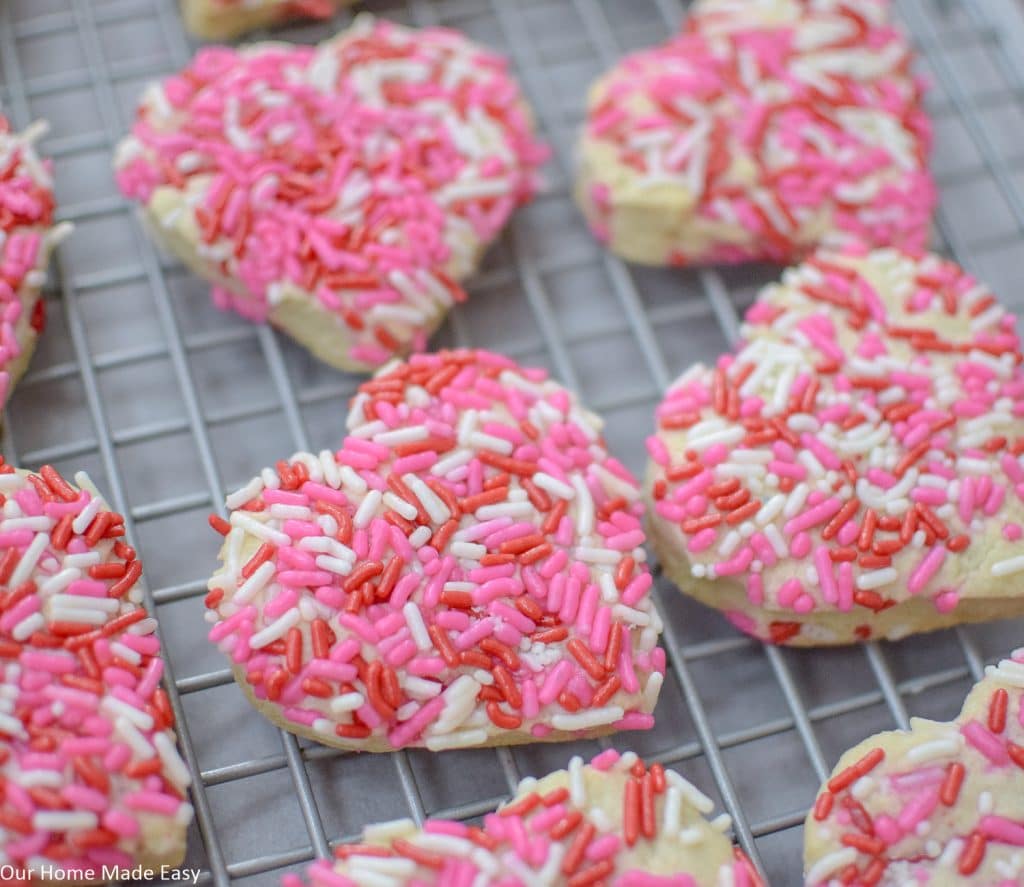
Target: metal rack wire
<point>168,404</point>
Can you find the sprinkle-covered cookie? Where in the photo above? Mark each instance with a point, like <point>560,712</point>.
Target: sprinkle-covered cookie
<point>90,773</point>
<point>27,236</point>
<point>342,191</point>
<point>763,129</point>
<point>611,822</point>
<point>854,470</point>
<point>466,570</point>
<point>226,19</point>
<point>939,804</point>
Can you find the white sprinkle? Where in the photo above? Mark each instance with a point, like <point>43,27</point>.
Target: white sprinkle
<point>133,656</point>
<point>11,725</point>
<point>276,629</point>
<point>1006,567</point>
<point>951,854</point>
<point>973,466</point>
<point>628,614</point>
<point>505,509</point>
<point>396,503</point>
<point>460,701</point>
<point>420,536</point>
<point>81,561</point>
<point>770,510</point>
<point>329,467</point>
<point>1008,672</point>
<point>730,543</point>
<point>259,529</point>
<point>553,485</point>
<point>609,592</point>
<point>64,821</point>
<point>40,524</point>
<point>31,624</point>
<point>417,627</point>
<point>449,463</point>
<point>84,602</point>
<point>721,823</point>
<point>585,507</point>
<point>420,688</point>
<point>85,517</point>
<point>593,555</point>
<point>876,578</point>
<point>333,564</point>
<point>652,690</point>
<point>690,837</point>
<point>726,436</point>
<point>117,707</point>
<point>829,864</point>
<point>445,843</point>
<point>140,745</point>
<point>461,739</point>
<point>327,545</point>
<point>795,500</point>
<point>29,559</point>
<point>586,720</point>
<point>402,435</point>
<point>255,583</point>
<point>435,508</point>
<point>270,479</point>
<point>774,537</point>
<point>468,550</point>
<point>381,832</point>
<point>367,509</point>
<point>250,491</point>
<point>484,441</point>
<point>577,785</point>
<point>350,479</point>
<point>935,750</point>
<point>59,582</point>
<point>691,794</point>
<point>347,702</point>
<point>673,806</point>
<point>173,764</point>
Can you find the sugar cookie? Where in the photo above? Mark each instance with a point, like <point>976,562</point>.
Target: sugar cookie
<point>466,570</point>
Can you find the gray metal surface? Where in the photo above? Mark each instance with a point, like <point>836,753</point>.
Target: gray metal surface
<point>168,404</point>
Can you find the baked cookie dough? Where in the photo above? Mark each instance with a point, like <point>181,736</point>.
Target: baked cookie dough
<point>27,236</point>
<point>88,762</point>
<point>466,570</point>
<point>613,822</point>
<point>854,469</point>
<point>340,192</point>
<point>939,804</point>
<point>763,129</point>
<point>226,19</point>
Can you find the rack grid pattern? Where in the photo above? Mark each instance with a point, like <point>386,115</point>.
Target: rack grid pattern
<point>169,404</point>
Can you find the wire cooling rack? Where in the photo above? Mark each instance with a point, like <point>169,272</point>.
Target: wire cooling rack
<point>168,404</point>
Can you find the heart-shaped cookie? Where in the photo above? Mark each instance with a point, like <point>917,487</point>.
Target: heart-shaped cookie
<point>763,129</point>
<point>342,191</point>
<point>854,470</point>
<point>92,779</point>
<point>225,19</point>
<point>467,569</point>
<point>611,822</point>
<point>27,236</point>
<point>939,804</point>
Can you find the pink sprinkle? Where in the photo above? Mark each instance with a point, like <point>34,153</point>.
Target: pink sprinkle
<point>930,564</point>
<point>1004,830</point>
<point>985,742</point>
